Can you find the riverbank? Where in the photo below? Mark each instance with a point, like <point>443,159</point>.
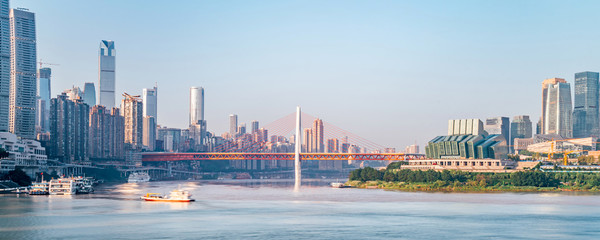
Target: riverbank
<point>440,186</point>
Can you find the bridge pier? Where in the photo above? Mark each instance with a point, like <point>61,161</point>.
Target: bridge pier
<point>298,139</point>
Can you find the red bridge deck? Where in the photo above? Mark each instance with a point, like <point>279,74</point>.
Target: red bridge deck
<point>160,157</point>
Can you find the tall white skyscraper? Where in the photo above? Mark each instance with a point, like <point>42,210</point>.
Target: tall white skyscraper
<point>43,101</point>
<point>233,122</point>
<point>559,110</point>
<point>196,105</point>
<point>23,55</point>
<point>149,99</point>
<point>4,64</point>
<point>106,73</point>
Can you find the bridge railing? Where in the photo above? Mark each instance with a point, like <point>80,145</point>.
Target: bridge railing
<point>161,157</point>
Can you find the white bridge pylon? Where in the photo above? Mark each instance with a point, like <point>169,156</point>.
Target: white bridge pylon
<point>298,139</point>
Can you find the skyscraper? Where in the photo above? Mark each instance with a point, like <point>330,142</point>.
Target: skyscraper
<point>149,135</point>
<point>106,73</point>
<point>545,84</point>
<point>520,128</point>
<point>498,125</point>
<point>233,121</point>
<point>89,94</point>
<point>23,57</point>
<point>4,64</point>
<point>150,101</point>
<point>105,133</point>
<point>133,115</point>
<point>558,110</point>
<point>317,134</point>
<point>585,113</point>
<point>196,105</point>
<point>43,102</point>
<point>254,126</point>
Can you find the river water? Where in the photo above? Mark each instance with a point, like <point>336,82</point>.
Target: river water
<point>250,209</point>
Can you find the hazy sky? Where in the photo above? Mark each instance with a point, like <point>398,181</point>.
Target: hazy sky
<point>393,72</point>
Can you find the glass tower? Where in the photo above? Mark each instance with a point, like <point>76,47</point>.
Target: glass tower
<point>106,73</point>
<point>585,113</point>
<point>558,114</point>
<point>89,94</point>
<point>4,64</point>
<point>43,94</point>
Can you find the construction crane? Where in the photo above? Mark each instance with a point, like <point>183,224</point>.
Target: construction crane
<point>45,63</point>
<point>132,97</point>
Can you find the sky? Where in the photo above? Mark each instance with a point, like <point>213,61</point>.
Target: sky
<point>393,72</point>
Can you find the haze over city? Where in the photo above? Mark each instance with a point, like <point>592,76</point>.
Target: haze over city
<point>391,72</point>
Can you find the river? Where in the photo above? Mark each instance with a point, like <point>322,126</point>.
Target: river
<point>264,209</point>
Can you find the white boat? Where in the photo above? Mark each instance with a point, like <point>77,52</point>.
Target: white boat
<point>40,188</point>
<point>337,185</point>
<point>138,177</point>
<point>176,195</point>
<point>84,184</point>
<point>62,186</point>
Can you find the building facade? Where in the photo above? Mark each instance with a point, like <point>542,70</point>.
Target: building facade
<point>106,133</point>
<point>559,111</point>
<point>4,64</point>
<point>23,74</point>
<point>43,100</point>
<point>585,112</point>
<point>106,73</point>
<point>27,154</point>
<point>465,126</point>
<point>149,140</point>
<point>498,125</point>
<point>196,105</point>
<point>520,127</point>
<point>150,100</point>
<point>318,136</point>
<point>69,124</point>
<point>133,115</point>
<point>545,85</point>
<point>89,94</point>
<point>233,122</point>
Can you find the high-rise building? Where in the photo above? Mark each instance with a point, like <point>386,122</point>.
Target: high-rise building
<point>149,135</point>
<point>558,110</point>
<point>333,145</point>
<point>150,100</point>
<point>307,140</point>
<point>4,64</point>
<point>585,113</point>
<point>196,105</point>
<point>23,56</point>
<point>545,84</point>
<point>317,131</point>
<point>106,133</point>
<point>134,120</point>
<point>254,126</point>
<point>106,73</point>
<point>89,94</point>
<point>498,125</point>
<point>43,101</point>
<point>520,128</point>
<point>74,93</point>
<point>412,149</point>
<point>465,126</point>
<point>233,122</point>
<point>241,129</point>
<point>263,135</point>
<point>69,124</point>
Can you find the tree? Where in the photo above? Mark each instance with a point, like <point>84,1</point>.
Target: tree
<point>19,177</point>
<point>389,176</point>
<point>3,153</point>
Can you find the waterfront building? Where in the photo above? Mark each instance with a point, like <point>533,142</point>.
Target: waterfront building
<point>498,125</point>
<point>27,154</point>
<point>467,165</point>
<point>23,57</point>
<point>585,113</point>
<point>134,120</point>
<point>69,124</point>
<point>149,140</point>
<point>233,123</point>
<point>43,100</point>
<point>4,64</point>
<point>106,73</point>
<point>106,133</point>
<point>558,109</point>
<point>317,134</point>
<point>89,94</point>
<point>465,126</point>
<point>520,128</point>
<point>467,147</point>
<point>254,126</point>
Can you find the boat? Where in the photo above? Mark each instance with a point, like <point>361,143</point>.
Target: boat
<point>84,184</point>
<point>138,177</point>
<point>62,186</point>
<point>176,195</point>
<point>40,188</point>
<point>337,185</point>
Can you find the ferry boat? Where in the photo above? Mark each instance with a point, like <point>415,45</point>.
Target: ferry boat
<point>337,185</point>
<point>176,195</point>
<point>138,177</point>
<point>40,188</point>
<point>84,184</point>
<point>62,186</point>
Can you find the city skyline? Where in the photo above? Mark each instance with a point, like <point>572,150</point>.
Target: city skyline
<point>376,53</point>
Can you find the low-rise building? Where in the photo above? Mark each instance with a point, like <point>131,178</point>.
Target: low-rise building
<point>469,165</point>
<point>25,153</point>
